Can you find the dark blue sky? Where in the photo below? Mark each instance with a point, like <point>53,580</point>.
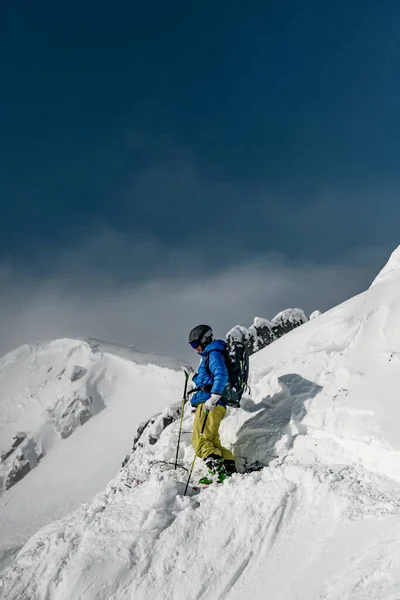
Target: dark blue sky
<point>275,122</point>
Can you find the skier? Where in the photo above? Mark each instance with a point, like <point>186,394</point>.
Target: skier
<point>210,381</point>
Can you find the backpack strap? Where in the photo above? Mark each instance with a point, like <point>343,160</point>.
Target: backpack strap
<point>203,388</point>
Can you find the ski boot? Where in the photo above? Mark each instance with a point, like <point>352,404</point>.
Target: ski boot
<point>216,468</point>
<point>230,467</point>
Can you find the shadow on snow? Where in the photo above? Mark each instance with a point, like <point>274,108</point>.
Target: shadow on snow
<point>278,417</point>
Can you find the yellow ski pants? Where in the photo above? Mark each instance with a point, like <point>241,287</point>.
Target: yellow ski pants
<point>209,442</point>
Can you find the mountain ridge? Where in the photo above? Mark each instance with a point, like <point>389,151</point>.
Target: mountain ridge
<point>320,521</point>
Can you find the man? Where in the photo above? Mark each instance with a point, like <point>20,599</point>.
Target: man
<point>210,381</point>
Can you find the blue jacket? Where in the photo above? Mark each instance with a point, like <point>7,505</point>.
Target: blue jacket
<point>216,375</point>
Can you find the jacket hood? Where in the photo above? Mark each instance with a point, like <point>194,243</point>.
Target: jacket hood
<point>215,345</point>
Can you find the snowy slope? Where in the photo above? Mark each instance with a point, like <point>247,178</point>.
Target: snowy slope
<point>322,522</point>
<point>79,409</point>
<point>133,354</point>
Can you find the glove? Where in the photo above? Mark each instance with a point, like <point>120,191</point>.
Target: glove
<point>212,402</point>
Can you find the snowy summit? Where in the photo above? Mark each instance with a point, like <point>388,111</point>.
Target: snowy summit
<point>313,514</point>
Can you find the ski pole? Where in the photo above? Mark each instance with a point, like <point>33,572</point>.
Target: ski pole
<point>195,454</point>
<point>182,411</point>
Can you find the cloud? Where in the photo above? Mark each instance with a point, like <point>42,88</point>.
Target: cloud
<point>154,309</point>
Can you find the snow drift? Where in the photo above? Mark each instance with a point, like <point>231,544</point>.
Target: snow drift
<point>319,520</point>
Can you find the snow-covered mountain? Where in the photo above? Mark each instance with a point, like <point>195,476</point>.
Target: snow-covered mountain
<point>48,391</point>
<point>320,522</point>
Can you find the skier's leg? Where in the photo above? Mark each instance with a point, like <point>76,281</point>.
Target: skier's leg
<point>226,465</point>
<point>225,453</point>
<point>203,444</point>
<point>197,425</point>
<point>220,461</point>
<point>215,417</point>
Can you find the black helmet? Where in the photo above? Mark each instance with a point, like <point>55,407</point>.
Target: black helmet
<point>201,334</point>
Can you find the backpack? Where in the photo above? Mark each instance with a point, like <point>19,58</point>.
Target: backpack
<point>237,364</point>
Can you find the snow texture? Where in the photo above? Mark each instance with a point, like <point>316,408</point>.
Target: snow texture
<point>315,314</point>
<point>318,520</point>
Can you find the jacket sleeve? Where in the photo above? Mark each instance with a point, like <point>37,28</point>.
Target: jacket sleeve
<point>218,370</point>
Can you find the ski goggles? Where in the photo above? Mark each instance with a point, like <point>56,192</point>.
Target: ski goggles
<point>194,344</point>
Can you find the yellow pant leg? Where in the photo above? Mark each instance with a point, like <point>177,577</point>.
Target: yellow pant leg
<point>226,454</point>
<point>203,444</point>
<point>217,415</point>
<point>209,442</point>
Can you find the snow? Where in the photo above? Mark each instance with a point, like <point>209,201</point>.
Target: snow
<point>390,270</point>
<point>36,388</point>
<point>264,331</point>
<point>320,521</point>
<point>261,322</point>
<point>278,533</point>
<point>133,354</point>
<point>291,315</point>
